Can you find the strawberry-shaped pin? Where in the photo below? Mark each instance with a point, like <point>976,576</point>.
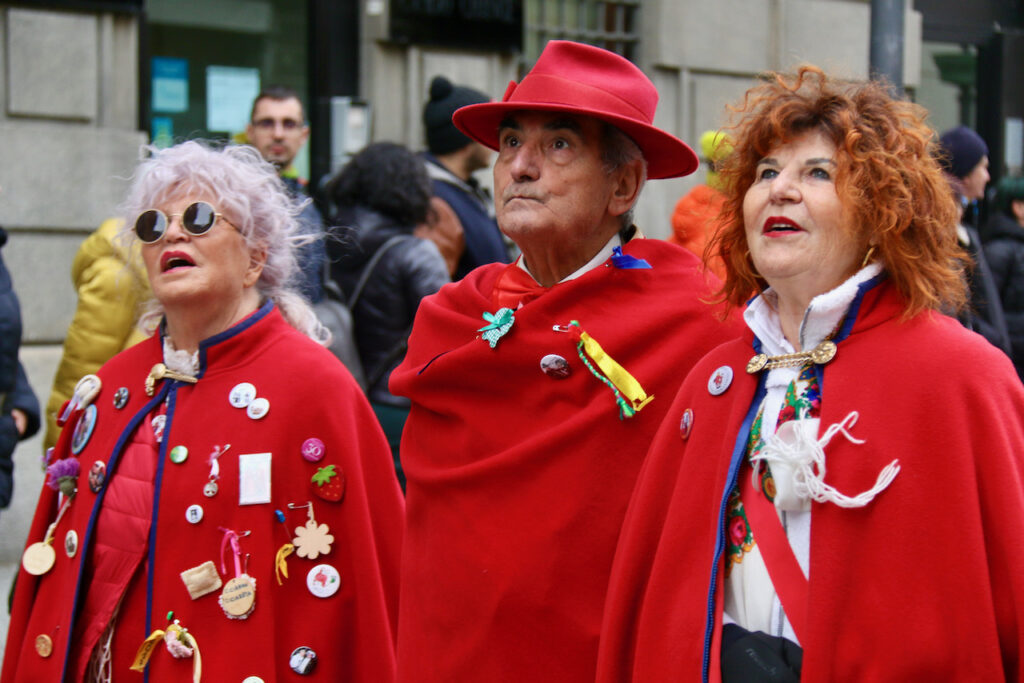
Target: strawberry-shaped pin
<point>329,483</point>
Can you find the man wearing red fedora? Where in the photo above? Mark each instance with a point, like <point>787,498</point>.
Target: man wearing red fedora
<point>536,387</point>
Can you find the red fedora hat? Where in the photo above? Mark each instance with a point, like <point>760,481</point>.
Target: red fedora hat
<point>582,79</point>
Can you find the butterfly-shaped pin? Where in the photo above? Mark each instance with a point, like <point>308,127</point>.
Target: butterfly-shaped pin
<point>500,323</point>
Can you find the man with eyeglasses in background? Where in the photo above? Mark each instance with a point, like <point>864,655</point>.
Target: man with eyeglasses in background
<point>277,128</point>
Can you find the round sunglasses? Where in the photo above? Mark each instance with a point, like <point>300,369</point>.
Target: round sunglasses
<point>196,219</point>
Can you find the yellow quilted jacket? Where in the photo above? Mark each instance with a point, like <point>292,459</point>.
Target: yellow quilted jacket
<point>112,287</point>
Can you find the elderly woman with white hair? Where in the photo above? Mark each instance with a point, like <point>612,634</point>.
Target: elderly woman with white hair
<point>221,499</point>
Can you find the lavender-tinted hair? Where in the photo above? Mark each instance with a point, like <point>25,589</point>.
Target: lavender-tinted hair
<point>250,195</point>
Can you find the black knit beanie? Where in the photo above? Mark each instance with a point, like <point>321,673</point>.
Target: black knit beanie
<point>442,135</point>
<point>962,150</point>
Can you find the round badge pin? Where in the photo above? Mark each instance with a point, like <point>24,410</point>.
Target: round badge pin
<point>159,422</point>
<point>71,543</point>
<point>242,394</point>
<point>97,475</point>
<point>83,430</point>
<point>313,449</point>
<point>38,558</point>
<point>302,660</point>
<point>252,679</point>
<point>178,455</point>
<point>121,398</point>
<point>194,514</point>
<point>720,380</point>
<point>258,408</point>
<point>238,598</point>
<point>555,366</point>
<point>686,424</point>
<point>323,581</point>
<point>44,645</point>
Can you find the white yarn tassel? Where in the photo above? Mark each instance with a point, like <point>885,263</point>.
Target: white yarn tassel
<point>804,455</point>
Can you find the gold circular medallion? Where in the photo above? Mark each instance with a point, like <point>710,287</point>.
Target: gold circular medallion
<point>238,597</point>
<point>38,558</point>
<point>44,645</point>
<point>757,363</point>
<point>824,352</point>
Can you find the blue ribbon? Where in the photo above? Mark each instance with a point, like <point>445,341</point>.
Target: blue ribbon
<point>625,261</point>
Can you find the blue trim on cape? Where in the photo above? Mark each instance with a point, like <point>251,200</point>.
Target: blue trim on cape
<point>735,464</point>
<point>112,463</point>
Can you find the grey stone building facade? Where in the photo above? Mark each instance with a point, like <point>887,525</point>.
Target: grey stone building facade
<point>70,85</point>
<point>75,107</point>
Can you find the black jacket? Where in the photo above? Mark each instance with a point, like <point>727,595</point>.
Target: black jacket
<point>985,315</point>
<point>1005,255</point>
<point>14,386</point>
<point>408,271</point>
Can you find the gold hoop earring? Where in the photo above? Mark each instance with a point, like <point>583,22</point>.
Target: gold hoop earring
<point>867,256</point>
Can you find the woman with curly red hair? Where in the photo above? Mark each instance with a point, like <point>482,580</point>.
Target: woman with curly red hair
<point>743,557</point>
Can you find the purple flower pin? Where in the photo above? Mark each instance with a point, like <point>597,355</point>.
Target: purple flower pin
<point>62,476</point>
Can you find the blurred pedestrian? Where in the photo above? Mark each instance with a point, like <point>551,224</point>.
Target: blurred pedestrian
<point>1005,255</point>
<point>19,409</point>
<point>278,129</point>
<point>696,216</point>
<point>110,281</point>
<point>381,195</point>
<point>451,160</point>
<point>964,159</point>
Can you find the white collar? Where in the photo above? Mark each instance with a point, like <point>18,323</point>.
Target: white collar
<point>180,361</point>
<point>820,319</point>
<point>603,255</point>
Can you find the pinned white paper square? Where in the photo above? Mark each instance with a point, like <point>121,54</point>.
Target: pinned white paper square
<point>253,478</point>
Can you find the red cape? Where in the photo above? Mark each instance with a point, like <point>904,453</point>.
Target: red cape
<point>924,583</point>
<point>517,481</point>
<point>311,395</point>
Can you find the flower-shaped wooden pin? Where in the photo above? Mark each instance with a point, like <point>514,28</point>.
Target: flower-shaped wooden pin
<point>312,540</point>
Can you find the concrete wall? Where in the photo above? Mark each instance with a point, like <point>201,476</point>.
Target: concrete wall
<point>702,58</point>
<point>396,80</point>
<point>697,52</point>
<point>69,89</point>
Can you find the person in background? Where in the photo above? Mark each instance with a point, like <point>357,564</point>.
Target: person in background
<point>964,158</point>
<point>1005,255</point>
<point>110,280</point>
<point>19,408</point>
<point>536,386</point>
<point>451,159</point>
<point>220,491</point>
<point>696,216</point>
<point>822,482</point>
<point>277,128</point>
<point>381,195</point>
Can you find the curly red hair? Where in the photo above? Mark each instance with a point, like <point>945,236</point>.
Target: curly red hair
<point>888,181</point>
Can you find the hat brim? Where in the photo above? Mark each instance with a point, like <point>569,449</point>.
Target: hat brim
<point>667,156</point>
